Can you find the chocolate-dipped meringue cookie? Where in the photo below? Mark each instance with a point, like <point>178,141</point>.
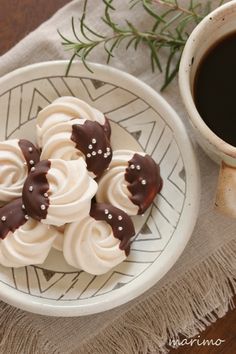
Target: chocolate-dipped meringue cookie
<point>23,240</point>
<point>17,157</point>
<point>99,241</point>
<point>131,183</point>
<point>58,192</point>
<point>78,138</point>
<point>67,108</point>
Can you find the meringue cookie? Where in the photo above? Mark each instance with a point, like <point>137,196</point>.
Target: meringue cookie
<point>67,108</point>
<point>58,192</point>
<point>23,240</point>
<point>78,138</point>
<point>131,183</point>
<point>99,241</point>
<point>16,158</point>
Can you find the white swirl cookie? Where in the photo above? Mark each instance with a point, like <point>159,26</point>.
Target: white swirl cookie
<point>58,192</point>
<point>99,241</point>
<point>17,157</point>
<point>67,108</point>
<point>131,182</point>
<point>78,138</point>
<point>23,240</point>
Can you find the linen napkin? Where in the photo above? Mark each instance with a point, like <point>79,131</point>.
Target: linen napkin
<point>203,279</point>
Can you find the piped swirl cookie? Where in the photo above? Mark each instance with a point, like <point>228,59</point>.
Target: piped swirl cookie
<point>131,183</point>
<point>67,108</point>
<point>58,192</point>
<point>17,157</point>
<point>99,241</point>
<point>23,240</point>
<point>78,138</point>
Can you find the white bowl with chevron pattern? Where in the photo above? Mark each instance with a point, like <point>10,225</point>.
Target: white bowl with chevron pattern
<point>141,120</point>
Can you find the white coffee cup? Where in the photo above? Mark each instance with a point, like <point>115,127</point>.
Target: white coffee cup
<point>210,30</point>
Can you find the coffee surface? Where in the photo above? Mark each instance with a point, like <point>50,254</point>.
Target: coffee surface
<point>214,89</point>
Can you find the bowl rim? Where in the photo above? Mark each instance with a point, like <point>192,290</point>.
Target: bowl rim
<point>186,223</point>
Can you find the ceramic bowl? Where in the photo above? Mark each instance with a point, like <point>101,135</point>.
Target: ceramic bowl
<point>141,120</point>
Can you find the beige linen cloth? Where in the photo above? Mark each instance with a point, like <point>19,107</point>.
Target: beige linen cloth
<point>203,279</point>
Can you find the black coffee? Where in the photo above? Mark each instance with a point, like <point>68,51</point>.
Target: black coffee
<point>215,89</point>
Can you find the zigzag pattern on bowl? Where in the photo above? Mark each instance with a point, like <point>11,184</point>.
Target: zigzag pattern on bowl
<point>21,105</point>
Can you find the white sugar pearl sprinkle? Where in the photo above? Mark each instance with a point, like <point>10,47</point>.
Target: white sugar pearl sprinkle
<point>23,207</point>
<point>30,149</point>
<point>99,151</point>
<point>106,211</point>
<point>31,162</point>
<point>32,169</point>
<point>27,217</point>
<point>3,218</point>
<point>109,216</point>
<point>88,155</point>
<point>45,195</point>
<point>31,188</point>
<point>94,141</point>
<point>132,167</point>
<point>90,146</point>
<point>143,182</point>
<point>42,207</point>
<point>120,228</point>
<point>138,167</point>
<point>120,217</point>
<point>108,149</point>
<point>94,153</point>
<point>105,155</point>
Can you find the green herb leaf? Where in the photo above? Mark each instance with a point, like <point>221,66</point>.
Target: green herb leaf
<point>170,25</point>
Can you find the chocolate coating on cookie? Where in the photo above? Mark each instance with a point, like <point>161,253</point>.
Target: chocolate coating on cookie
<point>30,153</point>
<point>12,216</point>
<point>121,223</point>
<point>35,191</point>
<point>91,139</point>
<point>144,181</point>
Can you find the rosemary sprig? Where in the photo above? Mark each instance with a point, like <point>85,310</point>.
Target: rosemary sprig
<point>170,30</point>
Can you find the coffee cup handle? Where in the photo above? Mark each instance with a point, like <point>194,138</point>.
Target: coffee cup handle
<point>226,190</point>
